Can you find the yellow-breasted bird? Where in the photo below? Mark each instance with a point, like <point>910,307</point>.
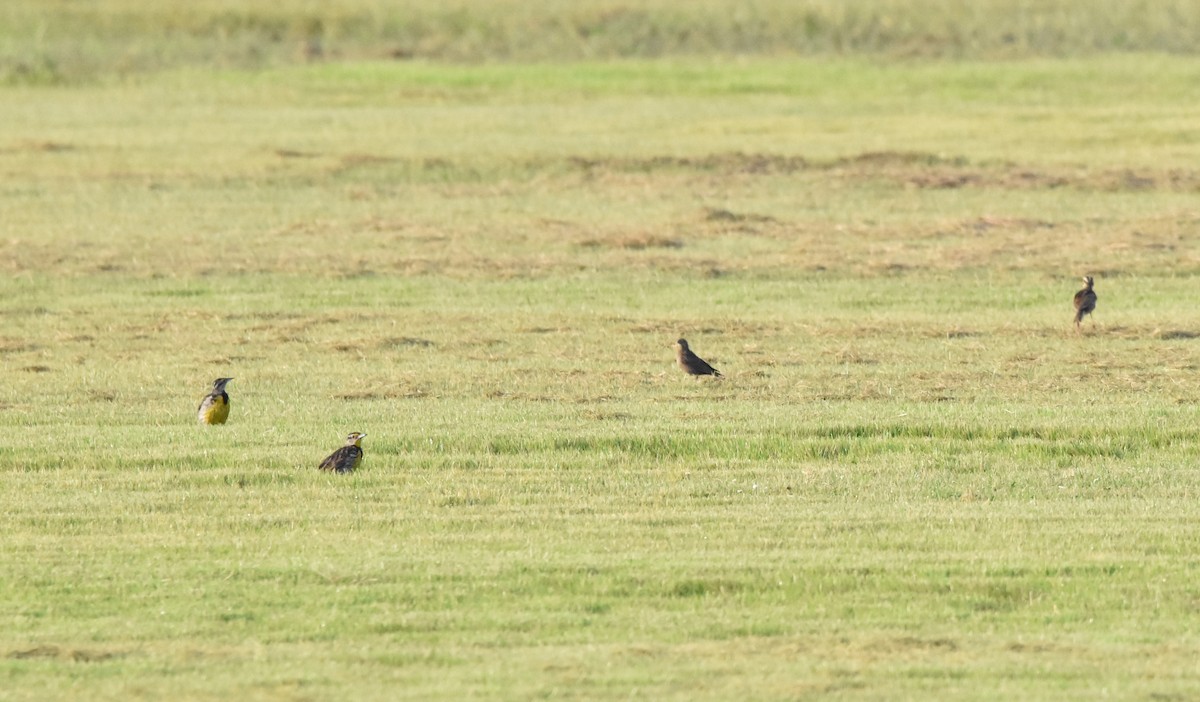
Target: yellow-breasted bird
<point>214,408</point>
<point>690,362</point>
<point>347,458</point>
<point>1085,301</point>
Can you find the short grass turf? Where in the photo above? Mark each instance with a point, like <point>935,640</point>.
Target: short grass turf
<point>916,479</point>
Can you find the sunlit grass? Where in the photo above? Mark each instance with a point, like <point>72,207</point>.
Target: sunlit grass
<point>915,480</point>
<point>56,42</point>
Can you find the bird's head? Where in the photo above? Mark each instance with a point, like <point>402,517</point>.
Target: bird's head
<point>681,345</point>
<point>1087,280</point>
<point>220,383</point>
<point>354,438</point>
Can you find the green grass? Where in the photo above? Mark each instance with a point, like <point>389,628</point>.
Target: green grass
<point>65,42</point>
<point>915,481</point>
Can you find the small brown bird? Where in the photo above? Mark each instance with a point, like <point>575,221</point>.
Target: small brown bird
<point>690,362</point>
<point>1085,301</point>
<point>348,457</point>
<point>214,408</point>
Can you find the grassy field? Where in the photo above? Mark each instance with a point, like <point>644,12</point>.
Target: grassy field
<point>64,42</point>
<point>915,480</point>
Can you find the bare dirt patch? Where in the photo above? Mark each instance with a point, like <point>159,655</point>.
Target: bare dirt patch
<point>634,241</point>
<point>55,652</point>
<point>911,169</point>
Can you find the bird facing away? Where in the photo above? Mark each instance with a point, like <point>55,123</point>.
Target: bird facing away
<point>347,458</point>
<point>214,408</point>
<point>1085,301</point>
<point>690,362</point>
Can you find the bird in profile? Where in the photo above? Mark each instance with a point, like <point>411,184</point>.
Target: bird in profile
<point>1085,301</point>
<point>690,362</point>
<point>214,408</point>
<point>347,458</point>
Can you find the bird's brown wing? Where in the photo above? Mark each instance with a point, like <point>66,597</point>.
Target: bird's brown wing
<point>344,460</point>
<point>1085,303</point>
<point>698,366</point>
<point>205,405</point>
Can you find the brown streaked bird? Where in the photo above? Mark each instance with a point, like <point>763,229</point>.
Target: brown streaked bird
<point>690,362</point>
<point>214,408</point>
<point>1085,301</point>
<point>348,457</point>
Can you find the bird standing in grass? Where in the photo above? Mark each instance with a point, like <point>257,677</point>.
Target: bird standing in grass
<point>214,408</point>
<point>1085,301</point>
<point>690,362</point>
<point>347,458</point>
